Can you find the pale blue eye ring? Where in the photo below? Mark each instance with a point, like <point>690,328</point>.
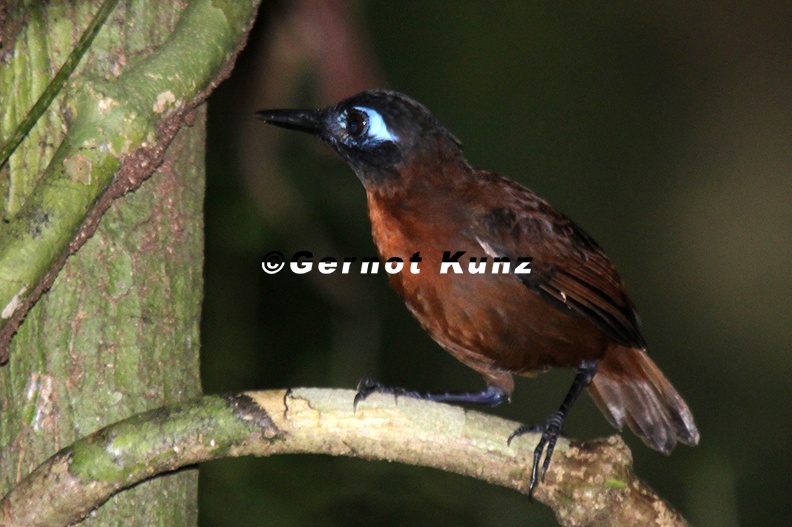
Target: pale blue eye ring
<point>377,129</point>
<point>367,123</point>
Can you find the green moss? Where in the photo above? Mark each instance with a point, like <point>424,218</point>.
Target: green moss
<point>615,484</point>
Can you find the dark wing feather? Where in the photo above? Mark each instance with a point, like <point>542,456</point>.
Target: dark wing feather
<point>568,268</point>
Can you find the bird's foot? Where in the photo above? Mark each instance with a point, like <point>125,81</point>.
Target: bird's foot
<point>550,431</point>
<point>491,396</point>
<point>368,386</point>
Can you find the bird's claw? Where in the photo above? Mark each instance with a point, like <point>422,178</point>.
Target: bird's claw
<point>365,388</point>
<point>550,431</point>
<point>368,386</point>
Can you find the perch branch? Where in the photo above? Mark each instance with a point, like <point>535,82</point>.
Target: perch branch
<point>588,484</point>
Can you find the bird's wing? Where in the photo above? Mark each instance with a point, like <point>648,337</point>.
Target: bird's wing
<point>568,268</point>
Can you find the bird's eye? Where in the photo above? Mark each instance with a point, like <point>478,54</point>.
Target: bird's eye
<point>356,123</point>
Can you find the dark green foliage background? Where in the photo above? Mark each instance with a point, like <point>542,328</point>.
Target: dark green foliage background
<point>663,129</point>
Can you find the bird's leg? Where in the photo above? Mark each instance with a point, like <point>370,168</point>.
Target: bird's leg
<point>492,396</point>
<point>551,429</point>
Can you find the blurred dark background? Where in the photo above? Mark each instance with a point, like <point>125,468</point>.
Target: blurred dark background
<point>665,129</point>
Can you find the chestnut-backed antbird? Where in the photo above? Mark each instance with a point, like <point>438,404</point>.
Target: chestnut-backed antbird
<point>570,311</point>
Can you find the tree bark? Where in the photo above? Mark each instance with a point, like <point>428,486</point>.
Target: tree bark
<point>118,331</point>
<point>116,334</point>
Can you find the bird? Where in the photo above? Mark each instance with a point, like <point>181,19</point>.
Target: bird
<point>570,310</point>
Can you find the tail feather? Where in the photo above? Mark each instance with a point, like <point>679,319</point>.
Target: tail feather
<point>629,388</point>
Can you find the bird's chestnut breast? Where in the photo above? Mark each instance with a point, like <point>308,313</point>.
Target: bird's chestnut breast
<point>489,317</point>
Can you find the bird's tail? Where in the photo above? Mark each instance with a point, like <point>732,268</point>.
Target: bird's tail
<point>629,388</point>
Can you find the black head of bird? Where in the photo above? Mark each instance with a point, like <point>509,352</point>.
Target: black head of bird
<point>571,310</point>
<point>379,133</point>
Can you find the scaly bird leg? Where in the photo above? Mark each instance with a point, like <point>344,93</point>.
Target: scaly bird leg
<point>551,429</point>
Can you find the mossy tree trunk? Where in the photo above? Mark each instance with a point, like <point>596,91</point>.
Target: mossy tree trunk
<point>116,334</point>
<point>118,331</point>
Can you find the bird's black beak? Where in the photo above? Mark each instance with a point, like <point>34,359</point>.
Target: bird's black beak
<point>310,121</point>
